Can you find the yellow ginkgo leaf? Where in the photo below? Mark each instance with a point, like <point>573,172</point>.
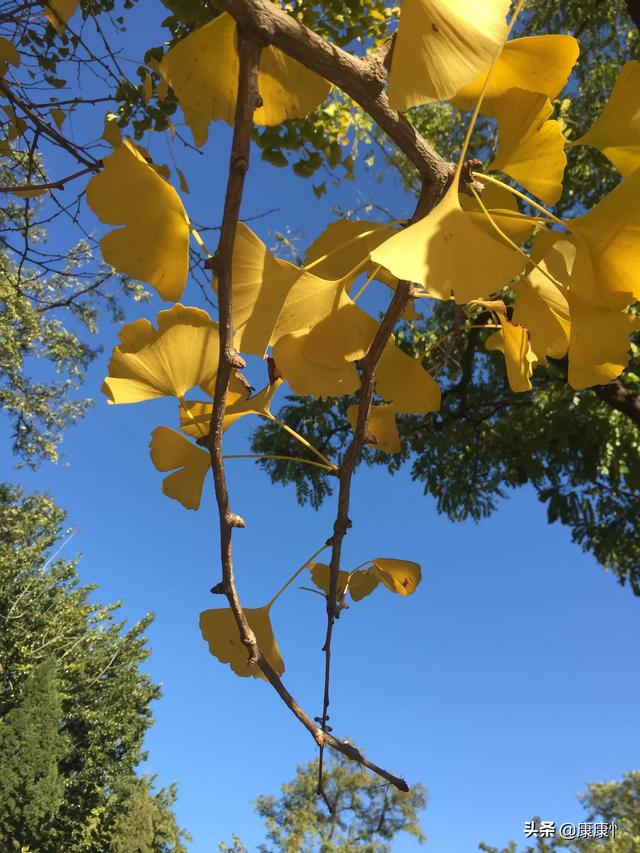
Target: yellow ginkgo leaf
<point>382,426</point>
<point>543,310</point>
<point>111,132</point>
<point>363,583</point>
<point>446,254</point>
<point>345,335</point>
<point>600,328</point>
<point>8,56</point>
<point>344,245</point>
<point>321,574</point>
<point>503,208</point>
<point>306,377</point>
<point>401,576</point>
<point>539,64</point>
<point>58,116</point>
<point>147,87</point>
<point>181,354</point>
<point>441,45</point>
<point>221,632</point>
<point>207,90</point>
<point>154,244</point>
<point>599,344</point>
<point>403,381</point>
<point>58,12</point>
<point>195,416</point>
<point>616,131</point>
<point>30,192</point>
<point>170,450</point>
<point>184,186</point>
<point>273,298</point>
<point>513,342</point>
<point>531,146</point>
<point>611,231</point>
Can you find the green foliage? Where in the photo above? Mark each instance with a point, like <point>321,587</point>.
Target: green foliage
<point>580,455</point>
<point>578,452</point>
<point>31,747</point>
<point>367,814</point>
<point>104,696</point>
<point>44,309</point>
<point>604,802</point>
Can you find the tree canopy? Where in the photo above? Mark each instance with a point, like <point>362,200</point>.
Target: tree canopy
<point>74,705</point>
<point>500,347</point>
<point>362,815</point>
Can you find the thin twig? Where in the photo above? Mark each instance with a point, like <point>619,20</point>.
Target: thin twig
<point>248,98</point>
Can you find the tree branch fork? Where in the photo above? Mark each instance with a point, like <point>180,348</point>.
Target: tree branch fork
<point>250,40</point>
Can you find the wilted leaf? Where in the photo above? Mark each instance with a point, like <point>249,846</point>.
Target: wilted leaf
<point>154,244</point>
<point>543,310</point>
<point>513,342</point>
<point>221,632</point>
<point>8,56</point>
<point>58,116</point>
<point>401,576</point>
<point>321,574</point>
<point>441,45</point>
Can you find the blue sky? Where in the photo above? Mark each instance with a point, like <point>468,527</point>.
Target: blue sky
<point>505,684</point>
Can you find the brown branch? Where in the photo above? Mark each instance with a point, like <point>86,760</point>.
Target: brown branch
<point>248,99</point>
<point>363,80</point>
<point>43,128</point>
<point>52,185</point>
<point>614,393</point>
<point>620,398</point>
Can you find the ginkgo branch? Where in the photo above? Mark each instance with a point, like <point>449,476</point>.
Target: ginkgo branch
<point>247,100</point>
<point>52,134</point>
<point>362,79</point>
<point>51,185</point>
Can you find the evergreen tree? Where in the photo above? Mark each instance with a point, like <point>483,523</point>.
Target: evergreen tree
<point>104,696</point>
<point>31,747</point>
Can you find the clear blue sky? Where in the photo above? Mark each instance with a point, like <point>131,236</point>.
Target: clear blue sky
<point>505,684</point>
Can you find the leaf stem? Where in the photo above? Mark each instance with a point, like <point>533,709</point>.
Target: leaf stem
<point>302,440</point>
<point>296,573</point>
<point>524,197</point>
<point>366,284</point>
<point>515,246</point>
<point>476,111</point>
<point>277,456</point>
